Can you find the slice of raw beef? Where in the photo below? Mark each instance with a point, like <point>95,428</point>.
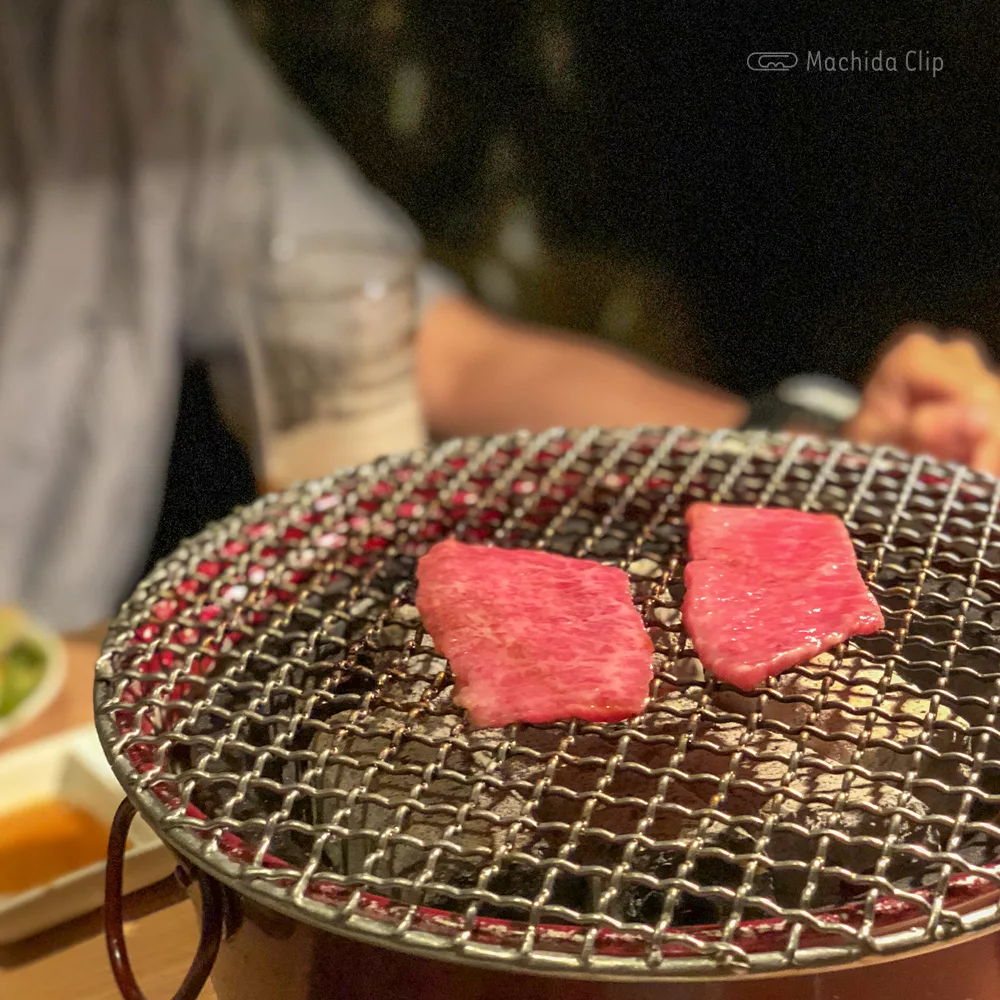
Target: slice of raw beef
<point>534,637</point>
<point>768,589</point>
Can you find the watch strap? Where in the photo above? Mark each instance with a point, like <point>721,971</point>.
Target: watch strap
<point>768,412</point>
<point>772,413</point>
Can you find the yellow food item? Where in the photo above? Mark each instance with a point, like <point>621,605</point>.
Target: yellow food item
<point>13,624</point>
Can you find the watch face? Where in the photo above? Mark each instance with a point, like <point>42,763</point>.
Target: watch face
<point>829,400</point>
<point>802,408</point>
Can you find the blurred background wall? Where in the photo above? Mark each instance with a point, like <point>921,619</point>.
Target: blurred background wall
<point>618,169</point>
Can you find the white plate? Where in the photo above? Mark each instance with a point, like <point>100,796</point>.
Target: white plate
<point>71,767</point>
<point>50,686</point>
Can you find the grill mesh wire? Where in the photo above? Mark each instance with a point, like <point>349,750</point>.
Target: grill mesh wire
<point>269,698</point>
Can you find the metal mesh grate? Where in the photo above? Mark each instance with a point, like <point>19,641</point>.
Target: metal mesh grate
<point>269,699</point>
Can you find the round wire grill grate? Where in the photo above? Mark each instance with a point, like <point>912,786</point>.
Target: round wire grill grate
<point>269,700</point>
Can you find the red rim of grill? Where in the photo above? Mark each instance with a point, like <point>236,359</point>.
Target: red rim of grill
<point>169,643</point>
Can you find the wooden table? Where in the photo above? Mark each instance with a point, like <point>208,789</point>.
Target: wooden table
<point>70,961</point>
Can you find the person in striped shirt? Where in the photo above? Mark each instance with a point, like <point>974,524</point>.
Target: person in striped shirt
<point>146,148</point>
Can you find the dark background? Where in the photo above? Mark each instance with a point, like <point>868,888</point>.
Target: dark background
<point>736,225</point>
<point>759,223</point>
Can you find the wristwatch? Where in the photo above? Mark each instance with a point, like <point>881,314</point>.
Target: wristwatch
<point>807,404</point>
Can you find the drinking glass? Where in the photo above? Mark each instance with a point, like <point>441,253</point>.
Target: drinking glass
<point>333,361</point>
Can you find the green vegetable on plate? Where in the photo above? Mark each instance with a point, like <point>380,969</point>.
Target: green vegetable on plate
<point>22,668</point>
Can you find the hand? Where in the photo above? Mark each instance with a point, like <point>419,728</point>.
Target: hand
<point>933,394</point>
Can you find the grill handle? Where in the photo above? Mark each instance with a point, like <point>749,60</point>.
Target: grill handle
<point>211,918</point>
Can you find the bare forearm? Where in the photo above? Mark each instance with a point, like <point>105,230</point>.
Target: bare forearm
<point>481,375</point>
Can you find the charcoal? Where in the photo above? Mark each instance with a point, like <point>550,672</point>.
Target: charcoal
<point>575,892</point>
<point>397,763</point>
<point>641,903</point>
<point>724,767</point>
<point>823,812</point>
<point>843,722</point>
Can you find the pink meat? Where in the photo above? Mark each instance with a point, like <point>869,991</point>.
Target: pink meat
<point>768,589</point>
<point>534,637</point>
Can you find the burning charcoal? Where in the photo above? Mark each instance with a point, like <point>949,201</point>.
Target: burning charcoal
<point>754,761</point>
<point>388,768</point>
<point>675,702</point>
<point>575,780</point>
<point>758,759</point>
<point>641,903</point>
<point>904,726</point>
<point>688,670</point>
<point>582,784</point>
<point>813,804</point>
<point>535,742</point>
<point>844,720</point>
<point>520,879</point>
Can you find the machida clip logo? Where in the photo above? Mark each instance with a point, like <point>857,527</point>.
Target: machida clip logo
<point>879,61</point>
<point>772,62</point>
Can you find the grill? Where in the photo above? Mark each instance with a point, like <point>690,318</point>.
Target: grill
<point>270,703</point>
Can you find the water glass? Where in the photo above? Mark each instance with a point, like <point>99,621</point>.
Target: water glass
<point>333,361</point>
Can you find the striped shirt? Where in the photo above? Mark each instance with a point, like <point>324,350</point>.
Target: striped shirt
<point>147,154</point>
